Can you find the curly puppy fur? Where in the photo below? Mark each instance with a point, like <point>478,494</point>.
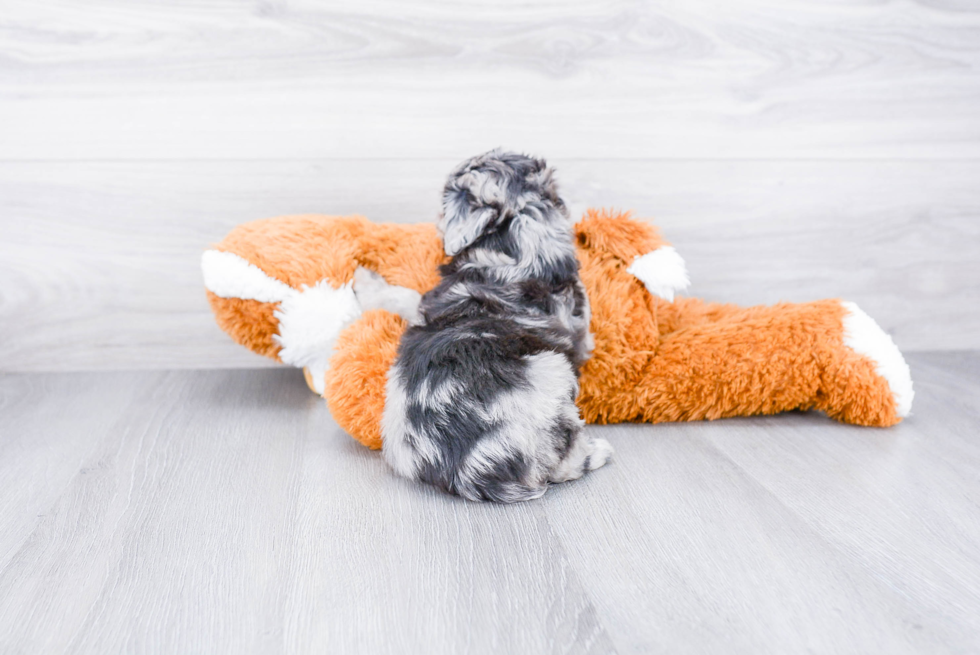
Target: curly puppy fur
<point>481,399</point>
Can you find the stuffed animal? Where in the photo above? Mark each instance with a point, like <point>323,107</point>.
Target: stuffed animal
<point>299,289</point>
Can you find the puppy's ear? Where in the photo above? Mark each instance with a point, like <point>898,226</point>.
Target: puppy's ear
<point>487,189</point>
<point>468,210</point>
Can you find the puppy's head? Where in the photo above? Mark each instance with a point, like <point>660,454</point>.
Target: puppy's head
<point>485,192</point>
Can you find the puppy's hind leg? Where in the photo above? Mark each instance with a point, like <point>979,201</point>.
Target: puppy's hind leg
<point>585,454</point>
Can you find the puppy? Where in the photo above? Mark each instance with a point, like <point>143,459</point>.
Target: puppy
<point>481,399</point>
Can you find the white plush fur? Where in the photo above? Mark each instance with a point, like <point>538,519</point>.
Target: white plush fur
<point>662,272</point>
<point>309,319</point>
<point>865,337</point>
<point>374,292</point>
<point>309,323</point>
<point>227,275</point>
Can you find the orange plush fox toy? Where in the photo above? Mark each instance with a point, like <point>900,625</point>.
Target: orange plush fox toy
<point>285,288</point>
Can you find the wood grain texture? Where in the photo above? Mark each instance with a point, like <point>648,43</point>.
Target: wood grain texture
<point>581,78</point>
<point>223,511</point>
<point>882,526</point>
<point>792,149</point>
<point>99,262</point>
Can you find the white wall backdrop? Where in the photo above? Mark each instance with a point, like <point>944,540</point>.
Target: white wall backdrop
<point>791,150</point>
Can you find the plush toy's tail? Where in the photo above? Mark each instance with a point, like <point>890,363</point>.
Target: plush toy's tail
<point>866,338</point>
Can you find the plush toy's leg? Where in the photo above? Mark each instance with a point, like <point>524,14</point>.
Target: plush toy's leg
<point>372,292</point>
<point>824,355</point>
<point>363,353</point>
<point>309,380</point>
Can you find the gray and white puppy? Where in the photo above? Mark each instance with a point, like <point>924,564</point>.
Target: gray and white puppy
<point>481,399</point>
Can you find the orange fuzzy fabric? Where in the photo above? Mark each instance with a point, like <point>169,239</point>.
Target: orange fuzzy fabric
<point>364,352</point>
<point>305,249</point>
<point>654,360</point>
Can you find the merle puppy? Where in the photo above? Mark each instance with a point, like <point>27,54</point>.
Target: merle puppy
<point>481,399</point>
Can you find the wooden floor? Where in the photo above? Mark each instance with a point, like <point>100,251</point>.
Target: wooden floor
<point>225,512</point>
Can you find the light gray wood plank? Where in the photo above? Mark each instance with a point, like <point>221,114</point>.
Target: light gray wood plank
<point>883,527</point>
<point>99,261</point>
<point>37,462</point>
<point>225,512</point>
<point>589,78</point>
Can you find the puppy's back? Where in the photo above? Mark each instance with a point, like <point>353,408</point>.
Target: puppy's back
<point>486,418</point>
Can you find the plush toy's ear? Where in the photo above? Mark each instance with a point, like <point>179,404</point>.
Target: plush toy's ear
<point>662,272</point>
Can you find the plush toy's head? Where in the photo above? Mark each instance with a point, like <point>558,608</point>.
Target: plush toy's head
<point>283,287</point>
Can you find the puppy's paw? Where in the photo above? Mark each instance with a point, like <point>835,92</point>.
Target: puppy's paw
<point>601,454</point>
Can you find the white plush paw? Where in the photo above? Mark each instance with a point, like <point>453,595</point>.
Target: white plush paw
<point>310,321</point>
<point>374,292</point>
<point>865,337</point>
